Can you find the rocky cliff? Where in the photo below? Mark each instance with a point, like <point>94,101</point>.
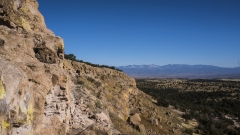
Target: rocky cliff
<point>42,93</point>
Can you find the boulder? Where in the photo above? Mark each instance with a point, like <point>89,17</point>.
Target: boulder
<point>101,117</point>
<point>142,129</point>
<point>155,122</point>
<point>135,119</point>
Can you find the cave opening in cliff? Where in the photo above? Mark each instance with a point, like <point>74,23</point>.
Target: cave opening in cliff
<point>5,23</point>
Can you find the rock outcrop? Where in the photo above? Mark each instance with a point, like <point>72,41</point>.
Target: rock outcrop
<point>31,56</point>
<point>42,93</point>
<point>135,119</point>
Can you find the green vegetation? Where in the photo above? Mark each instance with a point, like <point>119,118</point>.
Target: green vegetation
<point>98,104</point>
<point>189,131</point>
<point>73,58</point>
<point>79,81</point>
<point>212,103</point>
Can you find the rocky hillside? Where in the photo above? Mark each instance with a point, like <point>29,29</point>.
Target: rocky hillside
<point>42,93</point>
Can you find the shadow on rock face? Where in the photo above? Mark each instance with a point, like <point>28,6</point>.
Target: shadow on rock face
<point>2,42</point>
<point>6,23</point>
<point>45,55</point>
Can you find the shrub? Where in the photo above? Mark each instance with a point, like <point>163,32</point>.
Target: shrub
<point>90,79</point>
<point>73,58</point>
<point>98,104</point>
<point>162,102</point>
<point>189,131</point>
<point>98,84</point>
<point>70,57</point>
<point>79,81</point>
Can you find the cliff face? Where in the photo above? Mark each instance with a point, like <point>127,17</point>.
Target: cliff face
<point>30,56</point>
<point>41,93</point>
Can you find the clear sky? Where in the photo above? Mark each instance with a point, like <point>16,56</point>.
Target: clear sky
<point>125,32</point>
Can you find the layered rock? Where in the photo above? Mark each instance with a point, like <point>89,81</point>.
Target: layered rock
<point>31,55</point>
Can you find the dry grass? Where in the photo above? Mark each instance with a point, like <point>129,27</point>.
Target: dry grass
<point>122,126</point>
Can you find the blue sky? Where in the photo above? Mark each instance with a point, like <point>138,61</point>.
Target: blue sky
<point>124,32</point>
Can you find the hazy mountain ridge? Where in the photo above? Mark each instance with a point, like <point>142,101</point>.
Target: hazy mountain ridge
<point>180,71</point>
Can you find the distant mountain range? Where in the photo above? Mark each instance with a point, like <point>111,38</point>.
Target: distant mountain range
<point>180,71</point>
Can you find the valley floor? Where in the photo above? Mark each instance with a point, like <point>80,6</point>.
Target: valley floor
<point>213,104</point>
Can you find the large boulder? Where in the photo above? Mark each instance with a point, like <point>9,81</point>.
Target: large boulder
<point>135,119</point>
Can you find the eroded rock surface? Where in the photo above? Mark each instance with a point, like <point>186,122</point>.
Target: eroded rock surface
<point>30,55</point>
